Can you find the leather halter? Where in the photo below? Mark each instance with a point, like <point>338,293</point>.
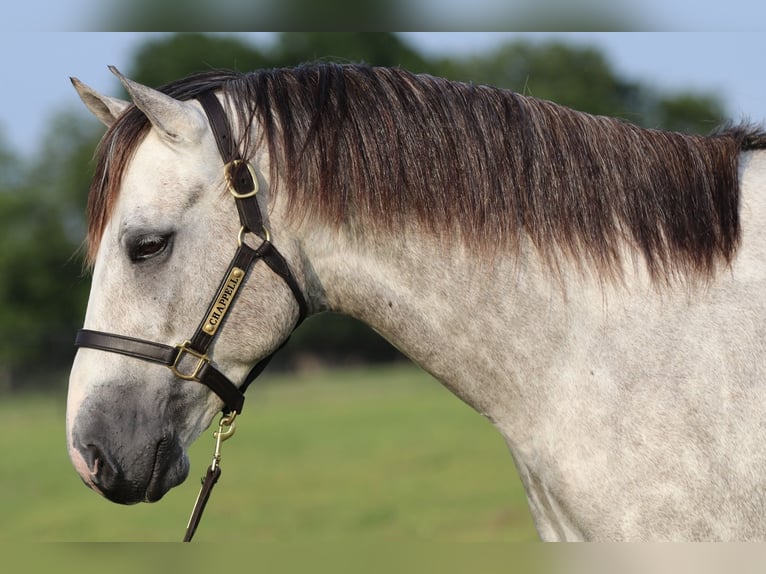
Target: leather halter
<point>189,360</point>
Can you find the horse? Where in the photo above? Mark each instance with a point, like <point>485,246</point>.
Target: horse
<point>595,289</point>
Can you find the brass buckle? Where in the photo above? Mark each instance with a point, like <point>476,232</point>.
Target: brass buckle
<point>202,360</point>
<point>229,183</point>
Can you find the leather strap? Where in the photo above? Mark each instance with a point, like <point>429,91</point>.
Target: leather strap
<point>211,477</point>
<point>219,124</point>
<point>128,346</point>
<point>243,259</point>
<point>279,266</point>
<point>240,178</point>
<point>167,356</point>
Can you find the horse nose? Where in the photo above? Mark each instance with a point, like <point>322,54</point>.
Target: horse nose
<point>106,476</point>
<point>144,475</point>
<point>100,471</point>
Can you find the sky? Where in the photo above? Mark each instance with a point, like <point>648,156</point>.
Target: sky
<point>37,67</point>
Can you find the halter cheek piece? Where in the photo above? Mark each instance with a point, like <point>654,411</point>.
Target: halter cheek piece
<point>189,360</point>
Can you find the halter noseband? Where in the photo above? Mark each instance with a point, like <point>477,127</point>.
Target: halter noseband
<point>189,360</point>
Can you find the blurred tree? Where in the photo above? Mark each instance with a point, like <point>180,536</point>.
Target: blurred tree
<point>582,78</point>
<point>174,56</point>
<point>42,287</point>
<point>377,48</point>
<point>40,281</point>
<point>234,15</point>
<point>10,168</point>
<point>686,112</point>
<point>574,76</point>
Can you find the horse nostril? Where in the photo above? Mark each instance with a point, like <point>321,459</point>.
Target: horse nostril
<point>92,456</point>
<point>101,470</point>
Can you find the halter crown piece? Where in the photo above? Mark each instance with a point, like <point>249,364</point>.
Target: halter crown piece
<point>189,360</point>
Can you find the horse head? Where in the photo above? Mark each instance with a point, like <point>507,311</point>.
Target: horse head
<point>163,231</point>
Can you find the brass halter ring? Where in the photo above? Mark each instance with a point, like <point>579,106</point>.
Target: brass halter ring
<point>230,184</point>
<point>243,231</point>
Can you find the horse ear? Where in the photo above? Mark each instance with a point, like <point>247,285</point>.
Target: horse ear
<point>104,108</point>
<point>175,120</point>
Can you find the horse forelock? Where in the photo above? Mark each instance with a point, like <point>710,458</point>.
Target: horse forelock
<point>112,157</point>
<point>381,149</point>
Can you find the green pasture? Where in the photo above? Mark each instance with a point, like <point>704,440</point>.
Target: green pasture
<point>378,454</point>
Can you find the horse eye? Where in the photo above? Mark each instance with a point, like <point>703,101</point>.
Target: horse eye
<point>147,246</point>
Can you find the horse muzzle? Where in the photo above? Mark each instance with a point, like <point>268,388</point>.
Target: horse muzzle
<point>126,463</point>
<point>129,484</point>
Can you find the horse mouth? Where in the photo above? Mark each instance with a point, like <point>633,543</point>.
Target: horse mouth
<point>165,476</point>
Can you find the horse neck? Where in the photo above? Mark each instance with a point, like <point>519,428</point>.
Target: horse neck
<point>444,307</point>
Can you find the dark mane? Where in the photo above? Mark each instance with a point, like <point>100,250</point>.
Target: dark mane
<point>381,148</point>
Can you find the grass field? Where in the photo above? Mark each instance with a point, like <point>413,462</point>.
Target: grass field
<point>379,454</point>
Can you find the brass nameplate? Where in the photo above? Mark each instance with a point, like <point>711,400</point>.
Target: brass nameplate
<point>223,300</point>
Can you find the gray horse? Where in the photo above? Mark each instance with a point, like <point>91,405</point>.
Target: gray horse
<point>596,290</point>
